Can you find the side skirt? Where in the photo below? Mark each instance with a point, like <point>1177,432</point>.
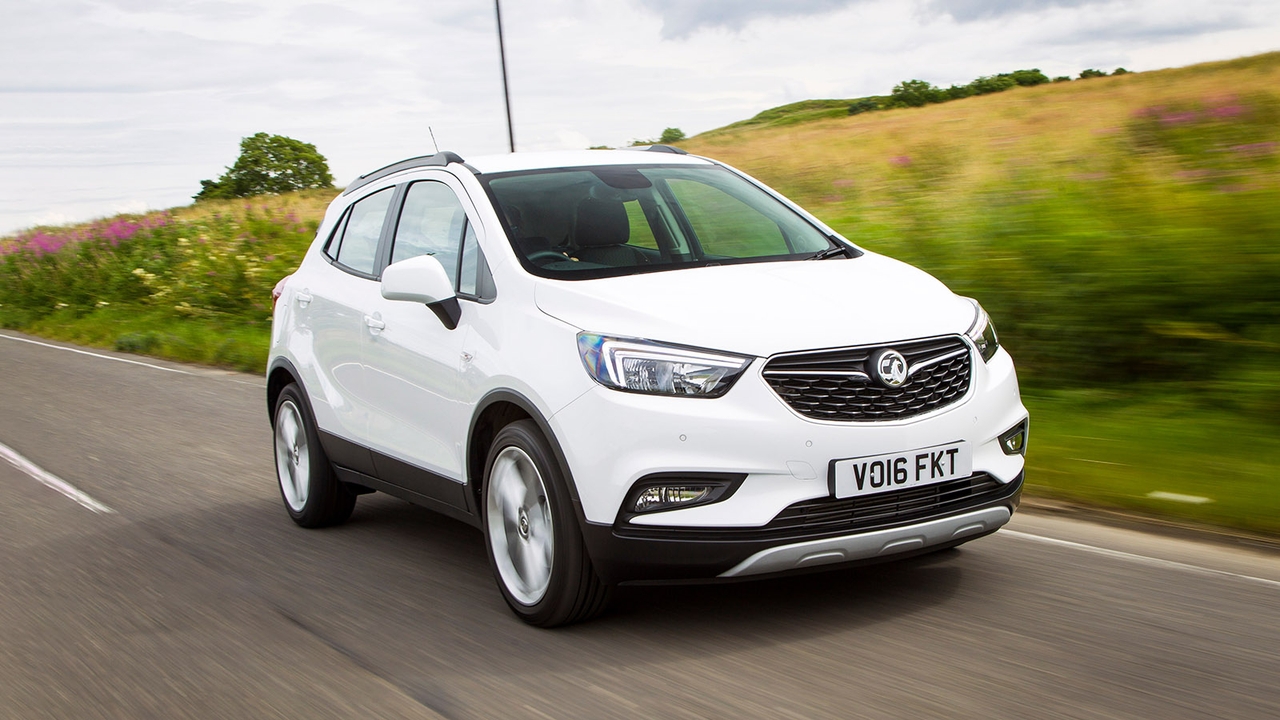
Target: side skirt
<point>357,478</point>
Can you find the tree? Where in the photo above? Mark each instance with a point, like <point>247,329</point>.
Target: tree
<point>988,84</point>
<point>1027,78</point>
<point>671,135</point>
<point>915,93</point>
<point>1091,73</point>
<point>270,164</point>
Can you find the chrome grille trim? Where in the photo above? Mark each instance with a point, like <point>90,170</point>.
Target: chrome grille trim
<point>837,384</point>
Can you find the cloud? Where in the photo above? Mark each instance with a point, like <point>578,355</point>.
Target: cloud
<point>681,18</point>
<point>970,10</point>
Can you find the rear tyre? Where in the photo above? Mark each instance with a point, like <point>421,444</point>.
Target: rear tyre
<point>532,535</point>
<point>312,493</point>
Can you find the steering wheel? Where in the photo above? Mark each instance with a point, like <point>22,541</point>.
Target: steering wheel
<point>542,257</point>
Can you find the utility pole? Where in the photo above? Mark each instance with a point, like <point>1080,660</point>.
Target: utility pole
<point>506,92</point>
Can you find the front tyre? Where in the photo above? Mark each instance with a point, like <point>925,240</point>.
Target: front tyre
<point>312,493</point>
<point>535,544</point>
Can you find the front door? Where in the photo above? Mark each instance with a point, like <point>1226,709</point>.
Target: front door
<point>413,363</point>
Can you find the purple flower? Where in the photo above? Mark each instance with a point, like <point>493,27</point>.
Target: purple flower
<point>1255,149</point>
<point>1179,118</point>
<point>900,161</point>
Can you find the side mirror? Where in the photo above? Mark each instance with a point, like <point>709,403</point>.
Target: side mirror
<point>423,279</point>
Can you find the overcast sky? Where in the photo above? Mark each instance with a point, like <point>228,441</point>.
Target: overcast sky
<point>125,105</point>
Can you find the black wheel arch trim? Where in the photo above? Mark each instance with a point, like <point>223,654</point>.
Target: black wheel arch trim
<point>529,408</point>
<point>282,363</point>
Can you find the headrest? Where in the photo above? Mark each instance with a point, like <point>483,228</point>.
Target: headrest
<point>531,245</point>
<point>601,223</point>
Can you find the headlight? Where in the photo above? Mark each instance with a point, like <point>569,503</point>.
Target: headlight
<point>648,367</point>
<point>983,333</point>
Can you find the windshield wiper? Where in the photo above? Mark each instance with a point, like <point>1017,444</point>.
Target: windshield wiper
<point>837,251</point>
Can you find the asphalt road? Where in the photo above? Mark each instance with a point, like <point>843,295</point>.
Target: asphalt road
<point>188,593</point>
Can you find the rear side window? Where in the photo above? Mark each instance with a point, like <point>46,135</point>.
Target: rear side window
<point>357,246</point>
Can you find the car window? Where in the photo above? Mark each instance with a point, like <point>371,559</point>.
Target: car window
<point>335,237</point>
<point>591,222</point>
<point>474,278</point>
<point>359,243</point>
<point>725,225</point>
<point>431,223</point>
<point>641,233</point>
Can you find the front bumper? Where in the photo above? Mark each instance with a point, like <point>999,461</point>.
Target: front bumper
<point>613,439</point>
<point>623,554</point>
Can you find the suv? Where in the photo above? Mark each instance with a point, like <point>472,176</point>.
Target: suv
<point>633,366</point>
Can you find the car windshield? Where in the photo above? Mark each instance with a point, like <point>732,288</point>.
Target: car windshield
<point>579,223</point>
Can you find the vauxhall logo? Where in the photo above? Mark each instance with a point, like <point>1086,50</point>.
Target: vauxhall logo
<point>889,368</point>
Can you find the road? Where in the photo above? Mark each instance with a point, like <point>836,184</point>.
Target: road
<point>187,592</point>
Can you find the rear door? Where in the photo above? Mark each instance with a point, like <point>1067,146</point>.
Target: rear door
<point>342,297</point>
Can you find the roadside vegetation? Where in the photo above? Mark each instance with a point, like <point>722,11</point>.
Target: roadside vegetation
<point>1124,233</point>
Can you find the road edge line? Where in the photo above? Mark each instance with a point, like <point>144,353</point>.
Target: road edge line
<point>52,481</point>
<point>94,354</point>
<point>1133,557</point>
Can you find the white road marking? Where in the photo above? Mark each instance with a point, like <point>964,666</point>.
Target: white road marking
<point>1178,497</point>
<point>47,478</point>
<point>1099,462</point>
<point>94,354</point>
<point>1144,559</point>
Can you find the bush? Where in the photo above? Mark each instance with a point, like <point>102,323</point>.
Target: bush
<point>1120,71</point>
<point>1062,78</point>
<point>863,105</point>
<point>915,93</point>
<point>1028,78</point>
<point>270,165</point>
<point>992,84</point>
<point>671,135</point>
<point>1091,73</point>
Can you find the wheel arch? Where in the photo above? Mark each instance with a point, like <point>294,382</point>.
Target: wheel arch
<point>495,410</point>
<point>281,373</point>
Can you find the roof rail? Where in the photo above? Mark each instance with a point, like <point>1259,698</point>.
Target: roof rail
<point>666,149</point>
<point>440,159</point>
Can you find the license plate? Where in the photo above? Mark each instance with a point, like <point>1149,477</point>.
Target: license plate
<point>895,471</point>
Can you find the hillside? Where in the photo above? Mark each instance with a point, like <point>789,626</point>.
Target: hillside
<point>1124,232</point>
<point>1032,196</point>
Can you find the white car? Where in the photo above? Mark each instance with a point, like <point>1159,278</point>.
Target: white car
<point>633,365</point>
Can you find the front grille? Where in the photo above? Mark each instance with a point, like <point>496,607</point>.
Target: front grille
<point>826,516</point>
<point>838,384</point>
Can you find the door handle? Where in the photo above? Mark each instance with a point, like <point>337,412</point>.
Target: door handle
<point>375,325</point>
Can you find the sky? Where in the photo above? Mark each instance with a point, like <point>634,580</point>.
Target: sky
<point>111,106</point>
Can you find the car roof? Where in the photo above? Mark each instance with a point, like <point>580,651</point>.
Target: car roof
<point>515,162</point>
<point>518,162</point>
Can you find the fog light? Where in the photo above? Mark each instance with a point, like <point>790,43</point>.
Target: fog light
<point>1014,442</point>
<point>662,497</point>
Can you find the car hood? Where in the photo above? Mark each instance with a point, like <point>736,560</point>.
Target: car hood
<point>764,308</point>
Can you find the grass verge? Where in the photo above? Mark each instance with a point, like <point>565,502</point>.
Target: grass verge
<point>221,342</point>
<point>1113,450</point>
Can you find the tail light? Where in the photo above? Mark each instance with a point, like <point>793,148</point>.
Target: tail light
<point>277,291</point>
